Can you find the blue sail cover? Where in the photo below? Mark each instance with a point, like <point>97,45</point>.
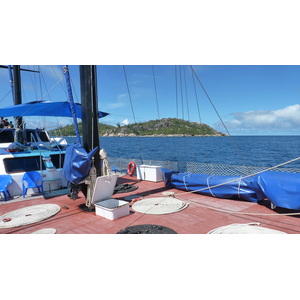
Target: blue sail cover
<point>282,189</point>
<point>237,189</point>
<point>44,108</point>
<point>77,163</point>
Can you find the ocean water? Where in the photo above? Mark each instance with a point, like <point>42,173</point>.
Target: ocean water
<point>261,151</point>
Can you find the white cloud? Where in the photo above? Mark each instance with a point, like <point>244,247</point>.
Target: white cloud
<point>48,122</point>
<point>123,96</point>
<point>125,122</point>
<point>115,105</point>
<point>287,118</point>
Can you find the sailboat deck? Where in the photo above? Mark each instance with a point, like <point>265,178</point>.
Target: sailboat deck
<point>202,215</point>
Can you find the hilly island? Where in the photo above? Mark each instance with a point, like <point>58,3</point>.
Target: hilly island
<point>162,127</point>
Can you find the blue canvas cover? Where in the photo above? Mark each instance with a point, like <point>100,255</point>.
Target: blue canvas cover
<point>167,177</point>
<point>77,163</point>
<point>244,189</point>
<point>44,108</point>
<point>282,189</point>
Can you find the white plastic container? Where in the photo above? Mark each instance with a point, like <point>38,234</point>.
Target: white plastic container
<point>112,209</point>
<point>105,206</point>
<point>149,173</point>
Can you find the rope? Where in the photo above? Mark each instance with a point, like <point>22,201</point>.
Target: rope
<point>228,211</point>
<point>105,164</point>
<point>90,182</point>
<point>238,212</point>
<point>188,175</point>
<point>207,182</point>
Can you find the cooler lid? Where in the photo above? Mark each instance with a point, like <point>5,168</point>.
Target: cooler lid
<point>104,187</point>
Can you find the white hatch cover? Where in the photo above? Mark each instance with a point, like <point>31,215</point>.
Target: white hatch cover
<point>104,188</point>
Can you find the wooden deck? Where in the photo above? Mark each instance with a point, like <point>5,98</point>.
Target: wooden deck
<point>202,215</point>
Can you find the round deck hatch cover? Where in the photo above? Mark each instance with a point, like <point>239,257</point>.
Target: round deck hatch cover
<point>147,229</point>
<point>159,205</point>
<point>28,215</point>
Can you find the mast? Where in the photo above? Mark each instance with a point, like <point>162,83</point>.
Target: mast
<point>17,92</point>
<point>89,103</point>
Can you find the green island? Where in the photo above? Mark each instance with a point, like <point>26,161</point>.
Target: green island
<point>162,127</point>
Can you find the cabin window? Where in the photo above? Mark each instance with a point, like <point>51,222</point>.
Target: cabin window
<point>30,136</point>
<point>6,136</point>
<point>58,160</point>
<point>43,136</point>
<point>23,164</point>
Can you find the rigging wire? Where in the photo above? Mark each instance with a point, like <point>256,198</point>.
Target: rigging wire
<point>186,95</point>
<point>47,93</point>
<point>181,93</point>
<point>181,145</point>
<point>40,80</point>
<point>210,100</point>
<point>196,95</point>
<point>33,83</point>
<point>176,90</point>
<point>155,92</point>
<point>212,104</point>
<point>51,89</point>
<point>204,152</point>
<point>9,92</point>
<point>64,88</point>
<point>130,99</point>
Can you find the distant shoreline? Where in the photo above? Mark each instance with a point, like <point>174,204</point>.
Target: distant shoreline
<point>160,135</point>
<point>157,135</point>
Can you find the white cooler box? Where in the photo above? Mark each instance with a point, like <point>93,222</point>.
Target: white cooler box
<point>149,173</point>
<point>105,206</point>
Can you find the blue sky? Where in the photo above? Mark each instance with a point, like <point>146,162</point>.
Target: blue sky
<point>251,99</point>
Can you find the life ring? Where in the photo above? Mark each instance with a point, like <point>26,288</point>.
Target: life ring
<point>131,168</point>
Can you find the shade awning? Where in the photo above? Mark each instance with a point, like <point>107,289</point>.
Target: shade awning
<point>44,108</point>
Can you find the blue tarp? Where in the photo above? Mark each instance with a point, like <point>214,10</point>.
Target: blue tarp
<point>77,163</point>
<point>282,189</point>
<point>44,108</point>
<point>237,188</point>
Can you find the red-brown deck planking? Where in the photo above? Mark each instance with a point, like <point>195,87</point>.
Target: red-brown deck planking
<point>202,215</point>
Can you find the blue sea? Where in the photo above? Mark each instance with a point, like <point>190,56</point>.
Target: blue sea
<point>261,151</point>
